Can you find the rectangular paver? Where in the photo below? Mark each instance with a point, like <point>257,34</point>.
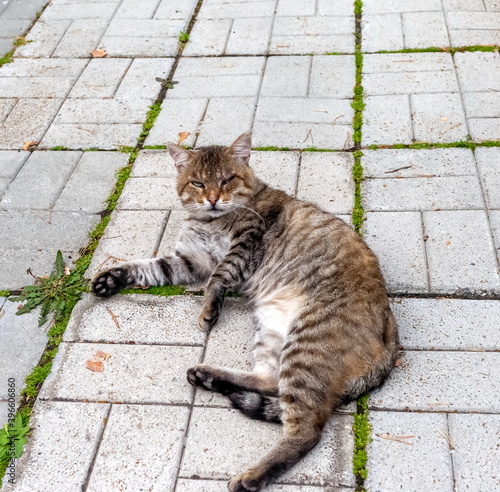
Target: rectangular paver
<point>133,374</point>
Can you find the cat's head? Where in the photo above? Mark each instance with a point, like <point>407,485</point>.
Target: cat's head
<point>213,181</point>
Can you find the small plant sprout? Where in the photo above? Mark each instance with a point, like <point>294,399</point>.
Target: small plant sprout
<point>183,37</point>
<point>12,439</point>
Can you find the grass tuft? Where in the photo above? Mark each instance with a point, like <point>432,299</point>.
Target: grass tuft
<point>183,37</point>
<point>4,293</point>
<point>159,290</point>
<point>362,432</point>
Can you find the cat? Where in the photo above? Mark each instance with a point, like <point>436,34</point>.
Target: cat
<point>326,333</point>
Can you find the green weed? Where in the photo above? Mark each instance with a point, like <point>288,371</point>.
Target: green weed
<point>183,37</point>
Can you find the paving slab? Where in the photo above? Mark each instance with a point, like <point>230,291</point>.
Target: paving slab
<point>130,235</point>
<point>220,429</point>
<point>488,162</point>
<point>150,194</point>
<point>475,439</point>
<point>81,38</point>
<point>397,240</point>
<point>447,324</point>
<point>133,374</point>
<point>141,447</point>
<point>169,238</point>
<point>76,428</point>
<point>335,191</point>
<point>495,228</point>
<point>43,38</point>
<point>184,485</point>
<point>421,462</point>
<point>139,318</point>
<point>441,381</point>
<point>23,343</point>
<point>460,252</point>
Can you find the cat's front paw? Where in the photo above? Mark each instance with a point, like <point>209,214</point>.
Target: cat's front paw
<point>199,376</point>
<point>207,318</point>
<point>246,482</point>
<point>109,282</point>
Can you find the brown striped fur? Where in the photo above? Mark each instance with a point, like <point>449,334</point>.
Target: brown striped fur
<point>326,333</point>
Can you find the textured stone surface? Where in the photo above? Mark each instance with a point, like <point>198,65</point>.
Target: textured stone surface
<point>475,438</point>
<point>141,445</point>
<point>185,485</point>
<point>149,194</point>
<point>447,324</point>
<point>488,161</point>
<point>220,429</point>
<point>133,374</point>
<point>76,428</point>
<point>437,381</point>
<point>421,461</point>
<point>141,318</point>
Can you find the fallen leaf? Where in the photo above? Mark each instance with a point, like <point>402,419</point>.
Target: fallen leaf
<point>182,137</point>
<point>101,356</point>
<point>98,53</point>
<point>30,145</point>
<point>445,118</point>
<point>447,243</point>
<point>94,366</point>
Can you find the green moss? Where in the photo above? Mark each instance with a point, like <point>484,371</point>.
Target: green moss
<point>7,58</point>
<point>20,41</point>
<point>59,147</point>
<point>271,148</point>
<point>154,111</point>
<point>461,49</point>
<point>154,147</point>
<point>315,149</point>
<point>358,213</point>
<point>125,149</point>
<point>122,175</point>
<point>464,144</point>
<point>159,290</point>
<point>4,293</point>
<point>35,380</point>
<point>362,431</point>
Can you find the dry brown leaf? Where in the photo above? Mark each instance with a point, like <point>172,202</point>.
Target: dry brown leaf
<point>182,137</point>
<point>98,53</point>
<point>94,366</point>
<point>101,356</point>
<point>447,243</point>
<point>30,145</point>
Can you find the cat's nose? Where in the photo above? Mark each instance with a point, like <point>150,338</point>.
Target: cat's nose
<point>213,202</point>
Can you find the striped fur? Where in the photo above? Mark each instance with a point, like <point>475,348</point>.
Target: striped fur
<point>326,333</point>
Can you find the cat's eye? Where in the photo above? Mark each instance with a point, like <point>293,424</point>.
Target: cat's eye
<point>198,184</point>
<point>228,180</point>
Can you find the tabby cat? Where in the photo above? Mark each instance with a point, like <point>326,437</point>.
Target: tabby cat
<point>326,333</point>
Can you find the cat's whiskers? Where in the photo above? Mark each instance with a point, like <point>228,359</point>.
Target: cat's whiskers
<point>250,209</point>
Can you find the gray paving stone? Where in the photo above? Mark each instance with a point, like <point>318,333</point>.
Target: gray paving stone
<point>6,106</point>
<point>482,129</point>
<point>236,9</point>
<point>332,76</point>
<point>447,324</point>
<point>219,125</point>
<point>177,116</point>
<point>277,169</point>
<point>28,122</point>
<point>91,182</point>
<point>102,111</point>
<point>478,71</point>
<point>483,113</point>
<point>76,428</point>
<point>460,252</point>
<point>326,179</point>
<point>83,10</point>
<point>168,10</point>
<point>130,235</point>
<point>391,6</point>
<point>425,29</point>
<point>11,162</point>
<point>22,9</point>
<point>47,231</point>
<point>451,5</point>
<point>153,164</point>
<point>218,430</point>
<point>132,9</point>
<point>4,415</point>
<point>382,32</point>
<point>184,485</point>
<point>100,78</point>
<point>387,120</point>
<point>140,79</point>
<point>326,7</point>
<point>14,265</point>
<point>433,193</point>
<point>169,238</point>
<point>442,382</point>
<point>43,38</point>
<point>142,318</point>
<point>44,174</point>
<point>474,28</point>
<point>475,438</point>
<point>249,36</point>
<point>426,464</point>
<point>150,194</point>
<point>404,63</point>
<point>141,447</point>
<point>397,240</point>
<point>495,227</point>
<point>296,7</point>
<point>488,162</point>
<point>91,135</point>
<point>23,343</point>
<point>133,374</point>
<point>208,37</point>
<point>312,35</point>
<point>11,28</point>
<point>214,77</point>
<point>81,38</point>
<point>5,45</point>
<point>39,87</point>
<point>438,117</point>
<point>280,70</point>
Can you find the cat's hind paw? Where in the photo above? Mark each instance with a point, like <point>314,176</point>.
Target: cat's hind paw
<point>109,282</point>
<point>245,482</point>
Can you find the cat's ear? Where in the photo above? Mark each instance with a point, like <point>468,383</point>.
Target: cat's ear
<point>241,148</point>
<point>180,155</point>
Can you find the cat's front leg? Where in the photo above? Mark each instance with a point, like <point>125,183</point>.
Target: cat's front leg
<point>173,269</point>
<point>212,305</point>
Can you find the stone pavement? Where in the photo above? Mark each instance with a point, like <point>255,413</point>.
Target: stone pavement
<point>286,70</point>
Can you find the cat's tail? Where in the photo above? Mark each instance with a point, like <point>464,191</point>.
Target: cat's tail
<point>257,406</point>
